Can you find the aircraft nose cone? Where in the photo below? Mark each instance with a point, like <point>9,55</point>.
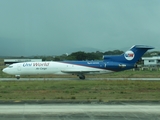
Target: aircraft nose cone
<point>4,70</point>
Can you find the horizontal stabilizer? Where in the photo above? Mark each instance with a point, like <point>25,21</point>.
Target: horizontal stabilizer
<point>142,47</point>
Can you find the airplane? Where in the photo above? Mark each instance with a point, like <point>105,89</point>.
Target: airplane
<point>110,63</point>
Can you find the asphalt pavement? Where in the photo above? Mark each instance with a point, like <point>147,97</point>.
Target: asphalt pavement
<point>123,111</point>
<point>25,79</point>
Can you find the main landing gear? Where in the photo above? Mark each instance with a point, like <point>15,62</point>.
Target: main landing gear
<point>82,77</point>
<point>17,76</point>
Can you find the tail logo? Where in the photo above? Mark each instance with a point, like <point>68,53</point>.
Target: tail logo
<point>129,55</point>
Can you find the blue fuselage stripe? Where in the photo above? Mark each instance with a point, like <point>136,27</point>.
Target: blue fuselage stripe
<point>92,64</point>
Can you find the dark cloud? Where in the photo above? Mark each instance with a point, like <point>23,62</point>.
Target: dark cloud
<point>40,27</point>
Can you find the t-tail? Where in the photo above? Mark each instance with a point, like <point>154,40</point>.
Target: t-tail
<point>130,57</point>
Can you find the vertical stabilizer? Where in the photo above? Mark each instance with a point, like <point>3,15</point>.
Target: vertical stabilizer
<point>135,53</point>
<point>131,56</point>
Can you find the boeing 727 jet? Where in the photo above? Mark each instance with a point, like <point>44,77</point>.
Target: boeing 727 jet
<point>110,63</point>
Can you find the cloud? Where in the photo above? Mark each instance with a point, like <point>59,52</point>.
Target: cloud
<point>50,27</point>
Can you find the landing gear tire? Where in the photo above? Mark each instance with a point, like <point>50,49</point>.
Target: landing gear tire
<point>18,77</point>
<point>82,77</point>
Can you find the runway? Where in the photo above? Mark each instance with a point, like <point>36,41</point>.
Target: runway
<point>25,79</point>
<point>124,111</point>
<point>92,111</point>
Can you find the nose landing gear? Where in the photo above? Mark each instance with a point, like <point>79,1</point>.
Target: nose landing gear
<point>82,77</point>
<point>17,76</point>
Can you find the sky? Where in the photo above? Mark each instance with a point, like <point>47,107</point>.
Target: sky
<point>56,27</point>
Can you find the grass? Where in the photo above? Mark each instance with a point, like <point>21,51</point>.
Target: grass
<point>83,90</point>
<point>103,90</point>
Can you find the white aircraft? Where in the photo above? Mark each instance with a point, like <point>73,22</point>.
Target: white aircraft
<point>111,63</point>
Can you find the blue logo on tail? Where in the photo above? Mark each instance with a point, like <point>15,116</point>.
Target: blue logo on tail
<point>129,55</point>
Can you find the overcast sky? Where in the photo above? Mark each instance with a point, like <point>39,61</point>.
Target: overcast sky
<point>56,27</point>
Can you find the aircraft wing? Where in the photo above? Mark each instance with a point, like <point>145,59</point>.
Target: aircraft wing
<point>78,72</point>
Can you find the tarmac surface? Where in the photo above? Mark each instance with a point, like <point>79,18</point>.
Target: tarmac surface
<point>122,111</point>
<point>80,111</point>
<point>23,79</point>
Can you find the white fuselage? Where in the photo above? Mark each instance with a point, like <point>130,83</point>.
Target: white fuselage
<point>33,68</point>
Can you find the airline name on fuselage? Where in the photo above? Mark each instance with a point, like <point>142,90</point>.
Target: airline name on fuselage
<point>35,64</point>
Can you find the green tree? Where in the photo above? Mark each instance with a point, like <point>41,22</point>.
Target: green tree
<point>114,52</point>
<point>79,55</point>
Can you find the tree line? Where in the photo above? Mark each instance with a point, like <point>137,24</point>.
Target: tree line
<point>81,55</point>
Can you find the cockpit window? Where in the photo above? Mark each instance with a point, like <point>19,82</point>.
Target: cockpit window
<point>10,66</point>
